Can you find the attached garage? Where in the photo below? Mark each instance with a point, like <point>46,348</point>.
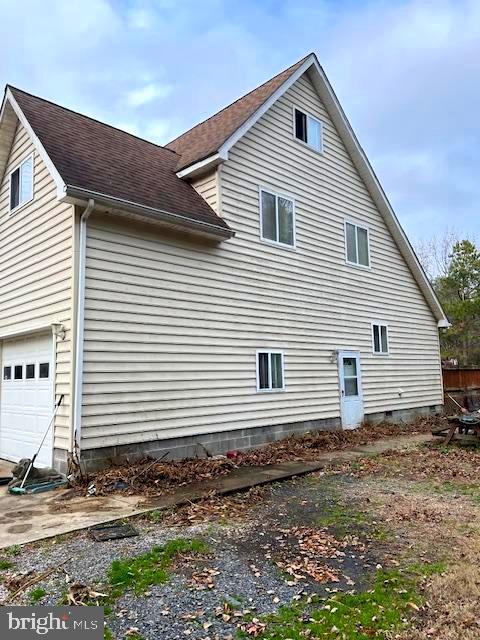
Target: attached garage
<point>26,398</point>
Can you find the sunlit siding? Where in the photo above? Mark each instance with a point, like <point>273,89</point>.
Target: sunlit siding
<point>172,326</point>
<point>35,266</point>
<point>207,187</point>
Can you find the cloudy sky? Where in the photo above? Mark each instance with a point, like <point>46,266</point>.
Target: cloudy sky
<point>406,72</point>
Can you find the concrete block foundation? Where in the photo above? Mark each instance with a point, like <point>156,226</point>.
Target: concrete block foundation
<point>223,441</point>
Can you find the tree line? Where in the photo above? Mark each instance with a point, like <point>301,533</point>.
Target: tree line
<point>453,266</point>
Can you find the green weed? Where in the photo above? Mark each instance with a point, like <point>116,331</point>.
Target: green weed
<point>377,613</point>
<point>141,572</point>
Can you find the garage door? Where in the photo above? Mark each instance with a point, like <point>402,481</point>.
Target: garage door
<point>26,398</point>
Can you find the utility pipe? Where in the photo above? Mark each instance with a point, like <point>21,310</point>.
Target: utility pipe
<point>77,396</point>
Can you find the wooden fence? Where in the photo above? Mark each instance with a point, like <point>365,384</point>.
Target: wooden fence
<point>463,379</point>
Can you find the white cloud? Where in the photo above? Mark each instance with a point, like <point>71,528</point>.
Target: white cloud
<point>147,93</point>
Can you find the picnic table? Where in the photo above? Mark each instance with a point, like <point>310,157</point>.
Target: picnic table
<point>464,424</point>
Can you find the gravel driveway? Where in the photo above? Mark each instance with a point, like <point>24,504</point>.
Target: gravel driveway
<point>272,549</point>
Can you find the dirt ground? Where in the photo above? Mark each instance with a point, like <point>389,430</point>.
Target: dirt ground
<point>312,557</point>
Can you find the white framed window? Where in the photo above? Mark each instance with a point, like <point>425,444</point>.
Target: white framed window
<point>270,371</point>
<point>308,129</point>
<point>21,184</point>
<point>380,338</point>
<point>277,218</point>
<point>357,244</point>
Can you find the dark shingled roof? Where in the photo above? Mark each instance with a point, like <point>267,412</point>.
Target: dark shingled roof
<point>99,158</point>
<point>206,138</point>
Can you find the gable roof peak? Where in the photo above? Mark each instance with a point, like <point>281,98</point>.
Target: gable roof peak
<point>206,138</point>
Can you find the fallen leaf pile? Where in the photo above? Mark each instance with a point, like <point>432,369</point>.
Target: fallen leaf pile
<point>309,445</point>
<point>313,546</point>
<point>214,508</point>
<point>453,464</point>
<point>203,579</point>
<point>155,477</point>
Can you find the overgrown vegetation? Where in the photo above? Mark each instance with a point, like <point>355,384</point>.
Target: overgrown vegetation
<point>376,613</point>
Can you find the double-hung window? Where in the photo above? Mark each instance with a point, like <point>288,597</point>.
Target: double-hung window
<point>308,130</point>
<point>357,244</point>
<point>270,375</point>
<point>380,338</point>
<point>277,218</point>
<point>21,184</point>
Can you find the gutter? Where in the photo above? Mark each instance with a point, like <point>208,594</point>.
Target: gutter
<point>77,396</point>
<point>151,213</point>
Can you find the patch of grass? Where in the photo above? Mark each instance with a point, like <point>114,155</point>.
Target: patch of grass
<point>14,550</point>
<point>469,490</point>
<point>135,636</point>
<point>156,516</point>
<point>37,594</point>
<point>5,564</point>
<point>377,613</point>
<point>141,572</point>
<point>345,520</point>
<point>107,634</point>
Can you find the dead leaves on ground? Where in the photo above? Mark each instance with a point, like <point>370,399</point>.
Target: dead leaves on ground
<point>203,579</point>
<point>156,477</point>
<point>310,546</point>
<point>455,464</point>
<point>83,595</point>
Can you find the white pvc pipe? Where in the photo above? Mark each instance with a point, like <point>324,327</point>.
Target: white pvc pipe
<point>77,397</point>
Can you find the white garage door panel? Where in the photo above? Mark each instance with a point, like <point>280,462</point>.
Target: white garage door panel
<point>26,404</point>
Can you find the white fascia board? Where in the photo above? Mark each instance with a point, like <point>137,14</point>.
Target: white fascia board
<point>202,165</point>
<point>59,183</point>
<point>222,153</point>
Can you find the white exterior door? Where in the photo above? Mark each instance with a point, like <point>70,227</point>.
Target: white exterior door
<point>26,398</point>
<point>351,397</point>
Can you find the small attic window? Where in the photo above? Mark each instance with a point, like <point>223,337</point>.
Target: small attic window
<point>21,184</point>
<point>308,130</point>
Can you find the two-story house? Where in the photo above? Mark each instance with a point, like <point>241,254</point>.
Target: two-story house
<point>247,281</point>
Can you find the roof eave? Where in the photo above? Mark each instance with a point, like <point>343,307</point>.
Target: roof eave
<point>75,195</point>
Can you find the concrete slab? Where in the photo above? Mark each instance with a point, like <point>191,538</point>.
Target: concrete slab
<point>6,468</point>
<point>28,518</point>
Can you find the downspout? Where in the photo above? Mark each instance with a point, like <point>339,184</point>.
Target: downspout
<point>77,398</point>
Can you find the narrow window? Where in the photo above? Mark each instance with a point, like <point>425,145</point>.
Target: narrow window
<point>29,371</point>
<point>277,219</point>
<point>380,339</point>
<point>7,373</point>
<point>18,372</point>
<point>350,376</point>
<point>269,371</point>
<point>21,184</point>
<point>300,125</point>
<point>15,189</point>
<point>43,370</point>
<point>357,244</point>
<point>309,130</point>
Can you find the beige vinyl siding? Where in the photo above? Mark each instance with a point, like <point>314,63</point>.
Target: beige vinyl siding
<point>207,186</point>
<point>172,326</point>
<point>35,266</point>
<point>346,299</point>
